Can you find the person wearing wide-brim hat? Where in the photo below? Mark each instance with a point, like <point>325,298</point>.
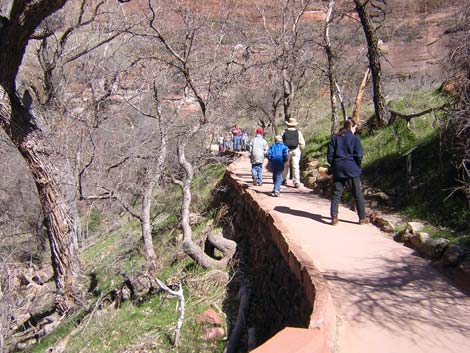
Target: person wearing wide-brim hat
<point>295,141</point>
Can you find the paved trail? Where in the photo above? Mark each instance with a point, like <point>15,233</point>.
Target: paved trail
<point>387,299</point>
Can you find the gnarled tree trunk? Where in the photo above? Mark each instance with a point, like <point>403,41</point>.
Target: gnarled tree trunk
<point>56,201</point>
<point>226,246</point>
<point>48,171</point>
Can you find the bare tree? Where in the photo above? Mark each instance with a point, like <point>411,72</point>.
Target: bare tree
<point>331,67</point>
<point>288,48</point>
<point>22,124</point>
<point>458,127</point>
<point>382,113</point>
<point>35,116</point>
<point>196,57</point>
<point>151,171</point>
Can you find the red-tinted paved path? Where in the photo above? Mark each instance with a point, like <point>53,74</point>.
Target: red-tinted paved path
<point>387,299</point>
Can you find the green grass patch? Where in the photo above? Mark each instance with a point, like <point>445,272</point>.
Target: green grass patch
<point>110,256</point>
<point>203,184</point>
<point>118,330</point>
<point>95,219</point>
<point>317,145</point>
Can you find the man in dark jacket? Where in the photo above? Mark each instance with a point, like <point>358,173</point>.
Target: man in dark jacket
<point>345,157</point>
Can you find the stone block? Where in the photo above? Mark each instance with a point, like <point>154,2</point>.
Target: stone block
<point>295,340</point>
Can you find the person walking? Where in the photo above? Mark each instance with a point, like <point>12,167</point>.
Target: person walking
<point>237,138</point>
<point>345,157</point>
<point>244,140</point>
<point>228,142</point>
<point>295,141</point>
<point>221,143</point>
<point>258,148</point>
<point>277,156</point>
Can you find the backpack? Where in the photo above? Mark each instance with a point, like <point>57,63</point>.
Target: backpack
<point>291,139</point>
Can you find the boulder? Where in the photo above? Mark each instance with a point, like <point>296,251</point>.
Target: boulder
<point>417,240</point>
<point>462,276</point>
<point>434,248</point>
<point>415,227</point>
<point>213,333</point>
<point>403,236</point>
<point>377,219</point>
<point>209,317</point>
<point>453,255</point>
<point>312,164</point>
<point>382,196</point>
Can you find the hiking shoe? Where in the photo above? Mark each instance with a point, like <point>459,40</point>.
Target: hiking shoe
<point>259,183</point>
<point>284,182</point>
<point>334,221</point>
<point>364,221</point>
<point>254,182</point>
<point>277,194</point>
<point>296,185</point>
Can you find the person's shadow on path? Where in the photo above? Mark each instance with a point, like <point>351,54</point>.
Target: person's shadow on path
<point>300,213</point>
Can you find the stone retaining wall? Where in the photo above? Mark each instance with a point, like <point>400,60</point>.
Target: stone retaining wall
<point>286,288</point>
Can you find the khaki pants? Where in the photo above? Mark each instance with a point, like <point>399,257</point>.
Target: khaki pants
<point>293,163</point>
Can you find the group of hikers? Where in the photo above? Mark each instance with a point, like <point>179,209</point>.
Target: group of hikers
<point>344,157</point>
<point>234,140</point>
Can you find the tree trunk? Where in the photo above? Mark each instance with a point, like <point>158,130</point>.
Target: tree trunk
<point>150,256</point>
<point>360,93</point>
<point>382,113</point>
<point>331,69</point>
<point>331,79</point>
<point>287,94</point>
<point>57,202</point>
<point>226,246</point>
<point>32,142</point>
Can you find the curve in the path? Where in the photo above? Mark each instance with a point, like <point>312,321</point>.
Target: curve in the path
<point>370,293</point>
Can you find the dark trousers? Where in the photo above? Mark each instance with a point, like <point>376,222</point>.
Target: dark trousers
<point>338,188</point>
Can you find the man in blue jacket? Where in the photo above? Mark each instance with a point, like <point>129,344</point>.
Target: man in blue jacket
<point>345,157</point>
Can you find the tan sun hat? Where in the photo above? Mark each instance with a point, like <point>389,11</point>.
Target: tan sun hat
<point>292,122</point>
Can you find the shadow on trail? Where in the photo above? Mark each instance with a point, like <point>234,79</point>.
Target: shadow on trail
<point>300,213</point>
<point>405,294</point>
